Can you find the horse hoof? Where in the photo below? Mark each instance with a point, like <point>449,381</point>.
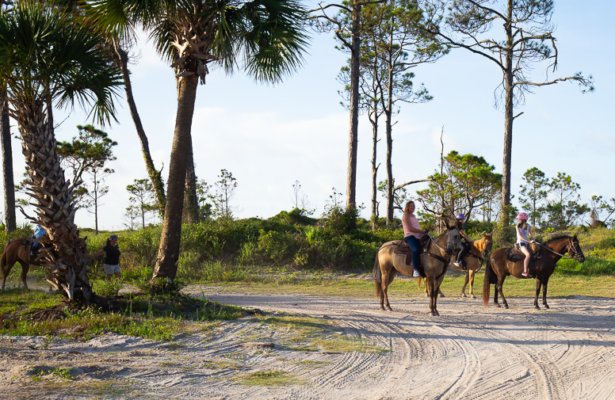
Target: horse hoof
<point>389,307</point>
<point>506,306</point>
<point>498,305</point>
<point>547,306</point>
<point>473,296</point>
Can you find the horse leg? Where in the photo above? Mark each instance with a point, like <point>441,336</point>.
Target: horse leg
<point>6,269</point>
<point>390,277</point>
<point>24,274</point>
<point>470,277</point>
<point>386,280</point>
<point>499,288</point>
<point>544,292</point>
<point>538,285</point>
<point>465,283</point>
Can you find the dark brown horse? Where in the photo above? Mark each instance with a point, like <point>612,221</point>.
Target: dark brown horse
<point>500,266</point>
<point>18,250</point>
<point>435,259</point>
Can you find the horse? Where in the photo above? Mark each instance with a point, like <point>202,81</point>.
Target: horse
<point>19,250</point>
<point>474,259</point>
<point>499,266</point>
<point>434,258</point>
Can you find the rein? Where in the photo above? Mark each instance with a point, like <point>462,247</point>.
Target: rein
<point>436,256</point>
<point>548,249</point>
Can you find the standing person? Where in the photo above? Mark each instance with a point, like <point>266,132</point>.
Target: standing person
<point>524,238</point>
<point>412,235</point>
<point>39,232</point>
<point>467,241</point>
<point>111,260</point>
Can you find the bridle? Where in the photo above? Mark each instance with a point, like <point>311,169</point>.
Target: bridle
<point>570,248</point>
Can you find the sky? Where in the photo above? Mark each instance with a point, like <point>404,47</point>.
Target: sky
<point>270,136</point>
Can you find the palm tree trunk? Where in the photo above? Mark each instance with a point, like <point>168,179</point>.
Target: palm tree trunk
<point>351,180</point>
<point>121,59</point>
<point>10,222</point>
<point>168,251</point>
<point>55,206</point>
<point>191,202</point>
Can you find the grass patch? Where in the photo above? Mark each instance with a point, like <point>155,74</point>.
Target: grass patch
<point>160,317</point>
<point>40,372</point>
<point>269,378</point>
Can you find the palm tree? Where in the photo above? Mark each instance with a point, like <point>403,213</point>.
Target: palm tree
<point>48,58</point>
<point>266,35</point>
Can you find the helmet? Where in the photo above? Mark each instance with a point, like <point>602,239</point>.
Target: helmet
<point>460,216</point>
<point>113,237</point>
<point>522,216</point>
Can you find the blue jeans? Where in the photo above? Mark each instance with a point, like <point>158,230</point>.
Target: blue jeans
<point>415,246</point>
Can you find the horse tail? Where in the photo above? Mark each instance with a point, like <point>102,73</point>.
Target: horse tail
<point>489,275</point>
<point>377,277</point>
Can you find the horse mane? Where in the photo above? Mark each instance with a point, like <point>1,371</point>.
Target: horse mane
<point>557,237</point>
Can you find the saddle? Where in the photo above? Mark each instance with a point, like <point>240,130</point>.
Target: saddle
<point>515,254</point>
<point>404,250</point>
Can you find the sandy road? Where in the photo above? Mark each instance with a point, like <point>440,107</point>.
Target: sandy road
<point>469,352</point>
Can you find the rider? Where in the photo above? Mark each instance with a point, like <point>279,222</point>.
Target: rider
<point>39,232</point>
<point>524,238</point>
<point>412,235</point>
<point>466,243</point>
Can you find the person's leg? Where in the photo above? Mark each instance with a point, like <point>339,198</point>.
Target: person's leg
<point>526,260</point>
<point>462,253</point>
<point>415,246</point>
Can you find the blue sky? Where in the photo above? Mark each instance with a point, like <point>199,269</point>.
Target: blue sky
<point>270,136</point>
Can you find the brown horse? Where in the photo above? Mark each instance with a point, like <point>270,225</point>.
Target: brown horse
<point>499,266</point>
<point>18,250</point>
<point>435,259</point>
<point>473,261</point>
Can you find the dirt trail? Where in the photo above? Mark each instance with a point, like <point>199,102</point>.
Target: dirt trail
<point>469,352</point>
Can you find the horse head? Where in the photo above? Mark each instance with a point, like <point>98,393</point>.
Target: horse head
<point>487,244</point>
<point>453,238</point>
<point>574,249</point>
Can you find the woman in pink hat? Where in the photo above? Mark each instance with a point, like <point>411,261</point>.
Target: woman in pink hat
<point>524,238</point>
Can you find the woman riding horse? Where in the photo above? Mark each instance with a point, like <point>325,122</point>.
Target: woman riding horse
<point>504,262</point>
<point>434,258</point>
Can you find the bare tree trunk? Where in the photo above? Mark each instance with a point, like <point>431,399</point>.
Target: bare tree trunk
<point>95,203</point>
<point>508,122</point>
<point>168,251</point>
<point>351,181</point>
<point>191,201</point>
<point>374,217</point>
<point>121,59</point>
<point>389,165</point>
<point>54,202</point>
<point>10,222</point>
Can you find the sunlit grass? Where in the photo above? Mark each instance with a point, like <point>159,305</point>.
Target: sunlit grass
<point>161,318</point>
<point>269,378</point>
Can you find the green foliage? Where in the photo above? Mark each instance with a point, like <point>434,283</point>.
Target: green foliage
<point>466,184</point>
<point>107,287</point>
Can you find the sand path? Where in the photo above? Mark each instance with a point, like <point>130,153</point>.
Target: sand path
<point>469,352</point>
